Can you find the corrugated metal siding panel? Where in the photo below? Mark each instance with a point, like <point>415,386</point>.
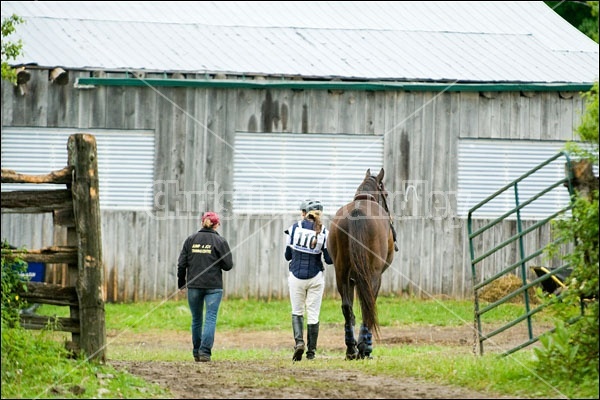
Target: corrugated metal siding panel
<point>485,166</point>
<point>464,41</point>
<point>274,173</point>
<point>125,162</point>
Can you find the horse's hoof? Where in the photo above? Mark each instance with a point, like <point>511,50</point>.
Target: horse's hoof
<point>352,354</point>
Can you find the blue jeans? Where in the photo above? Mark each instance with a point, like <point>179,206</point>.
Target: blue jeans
<point>203,339</point>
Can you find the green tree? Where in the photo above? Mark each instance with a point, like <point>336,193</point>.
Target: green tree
<point>10,49</point>
<point>583,15</point>
<point>569,356</point>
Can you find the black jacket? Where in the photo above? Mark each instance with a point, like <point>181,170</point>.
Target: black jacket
<point>203,258</point>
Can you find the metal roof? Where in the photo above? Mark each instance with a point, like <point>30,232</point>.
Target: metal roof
<point>401,41</point>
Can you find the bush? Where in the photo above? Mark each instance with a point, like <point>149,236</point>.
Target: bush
<point>570,353</point>
<point>14,279</point>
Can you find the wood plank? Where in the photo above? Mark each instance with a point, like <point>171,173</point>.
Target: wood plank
<point>84,159</point>
<point>49,293</point>
<point>36,201</point>
<point>40,322</point>
<point>61,176</point>
<point>48,255</point>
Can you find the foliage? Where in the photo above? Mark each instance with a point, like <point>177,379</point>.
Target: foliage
<point>14,279</point>
<point>10,50</point>
<point>571,352</point>
<point>583,15</point>
<point>36,366</point>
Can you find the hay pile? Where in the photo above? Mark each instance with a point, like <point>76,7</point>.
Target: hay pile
<point>503,286</point>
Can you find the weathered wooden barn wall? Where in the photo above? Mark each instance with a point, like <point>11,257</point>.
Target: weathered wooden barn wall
<point>195,130</point>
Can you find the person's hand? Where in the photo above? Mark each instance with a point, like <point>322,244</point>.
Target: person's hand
<point>181,284</point>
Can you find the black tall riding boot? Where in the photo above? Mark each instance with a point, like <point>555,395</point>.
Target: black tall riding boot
<point>297,325</point>
<point>312,336</point>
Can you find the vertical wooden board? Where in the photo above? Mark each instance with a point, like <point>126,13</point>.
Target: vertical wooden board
<point>142,247</point>
<point>69,103</point>
<point>162,259</point>
<point>374,107</point>
<point>317,116</point>
<point>36,98</point>
<point>461,258</point>
<point>177,152</point>
<point>192,196</point>
<point>485,118</point>
<point>247,116</point>
<point>449,268</point>
<point>154,238</point>
<point>469,115</point>
<point>535,117</point>
<point>513,114</point>
<point>131,96</point>
<point>361,120</point>
<point>8,91</point>
<point>298,112</point>
<point>413,188</point>
<point>145,108</point>
<point>348,112</point>
<point>254,260</point>
<point>566,118</point>
<point>524,130</point>
<point>430,268</point>
<point>332,112</point>
<point>214,142</point>
<point>243,255</point>
<point>427,157</point>
<point>97,107</point>
<point>389,110</point>
<point>501,115</point>
<point>579,108</point>
<point>440,156</point>
<point>196,153</point>
<point>125,274</point>
<point>550,116</point>
<point>115,106</point>
<point>224,202</point>
<point>19,107</point>
<point>163,137</point>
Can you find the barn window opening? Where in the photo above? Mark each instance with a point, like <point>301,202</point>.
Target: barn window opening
<point>485,166</point>
<point>273,173</point>
<point>125,162</point>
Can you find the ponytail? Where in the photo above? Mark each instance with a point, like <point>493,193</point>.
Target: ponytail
<point>315,215</point>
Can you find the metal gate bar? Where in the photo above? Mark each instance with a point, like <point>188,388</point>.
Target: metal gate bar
<point>523,258</point>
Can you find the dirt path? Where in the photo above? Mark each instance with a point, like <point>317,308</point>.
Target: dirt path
<point>222,379</point>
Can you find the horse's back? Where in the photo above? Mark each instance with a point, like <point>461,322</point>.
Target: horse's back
<point>377,234</point>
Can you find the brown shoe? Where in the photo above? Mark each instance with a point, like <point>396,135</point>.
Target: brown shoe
<point>202,358</point>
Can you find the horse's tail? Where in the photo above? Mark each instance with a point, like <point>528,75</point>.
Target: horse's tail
<point>363,271</point>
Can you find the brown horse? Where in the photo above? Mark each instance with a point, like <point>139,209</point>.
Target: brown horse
<point>361,245</point>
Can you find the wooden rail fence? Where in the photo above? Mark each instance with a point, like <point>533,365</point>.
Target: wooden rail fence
<point>77,208</point>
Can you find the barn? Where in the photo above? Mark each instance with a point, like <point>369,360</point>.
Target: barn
<point>248,108</point>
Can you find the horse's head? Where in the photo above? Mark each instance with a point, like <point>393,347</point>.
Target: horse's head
<point>372,188</point>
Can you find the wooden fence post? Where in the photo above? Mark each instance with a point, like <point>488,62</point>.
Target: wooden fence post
<point>86,206</point>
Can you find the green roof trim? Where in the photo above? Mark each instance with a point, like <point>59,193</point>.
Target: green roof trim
<point>334,85</point>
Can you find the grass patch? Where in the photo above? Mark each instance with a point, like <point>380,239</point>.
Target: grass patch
<point>34,364</point>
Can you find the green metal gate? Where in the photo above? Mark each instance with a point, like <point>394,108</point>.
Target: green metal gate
<point>519,267</point>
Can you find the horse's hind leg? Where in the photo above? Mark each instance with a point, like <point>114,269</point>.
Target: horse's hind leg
<point>365,342</point>
<point>351,350</point>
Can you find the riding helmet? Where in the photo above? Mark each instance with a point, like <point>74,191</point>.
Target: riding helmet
<point>314,205</point>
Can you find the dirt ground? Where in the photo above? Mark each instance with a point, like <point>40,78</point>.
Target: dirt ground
<point>219,379</point>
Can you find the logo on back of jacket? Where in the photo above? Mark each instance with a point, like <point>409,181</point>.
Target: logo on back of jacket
<point>304,241</point>
<point>201,248</point>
